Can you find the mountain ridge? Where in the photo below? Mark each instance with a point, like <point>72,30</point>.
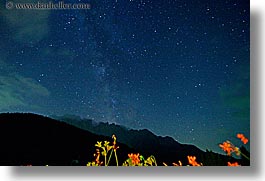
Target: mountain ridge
<point>126,135</point>
<point>39,140</point>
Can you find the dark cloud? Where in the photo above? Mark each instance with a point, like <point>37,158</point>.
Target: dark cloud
<point>26,26</point>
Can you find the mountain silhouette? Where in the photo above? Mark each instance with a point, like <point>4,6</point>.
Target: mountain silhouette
<point>165,149</point>
<point>30,139</point>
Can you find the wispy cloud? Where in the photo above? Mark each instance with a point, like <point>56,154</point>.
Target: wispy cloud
<point>24,27</point>
<point>16,91</point>
<point>236,96</point>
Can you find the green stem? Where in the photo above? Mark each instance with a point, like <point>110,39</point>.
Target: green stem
<point>154,160</point>
<point>109,157</point>
<point>105,155</point>
<point>116,157</point>
<point>244,155</point>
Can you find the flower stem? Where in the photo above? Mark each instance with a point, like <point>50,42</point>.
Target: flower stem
<point>245,156</point>
<point>116,157</point>
<point>109,157</point>
<point>154,160</point>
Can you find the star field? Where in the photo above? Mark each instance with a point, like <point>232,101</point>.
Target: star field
<point>179,68</point>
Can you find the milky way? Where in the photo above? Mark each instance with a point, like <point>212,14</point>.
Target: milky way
<point>177,68</point>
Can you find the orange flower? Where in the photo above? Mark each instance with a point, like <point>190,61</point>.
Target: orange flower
<point>232,164</point>
<point>175,164</point>
<point>135,158</point>
<point>242,137</point>
<point>97,155</point>
<point>227,147</point>
<point>192,161</point>
<point>115,147</point>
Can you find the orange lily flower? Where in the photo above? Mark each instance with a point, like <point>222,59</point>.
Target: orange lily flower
<point>175,164</point>
<point>135,158</point>
<point>227,147</point>
<point>192,161</point>
<point>232,164</point>
<point>97,155</point>
<point>242,137</point>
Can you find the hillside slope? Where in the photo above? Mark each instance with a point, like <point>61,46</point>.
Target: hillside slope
<point>38,140</point>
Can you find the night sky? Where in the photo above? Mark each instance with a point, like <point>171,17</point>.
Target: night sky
<point>176,67</point>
